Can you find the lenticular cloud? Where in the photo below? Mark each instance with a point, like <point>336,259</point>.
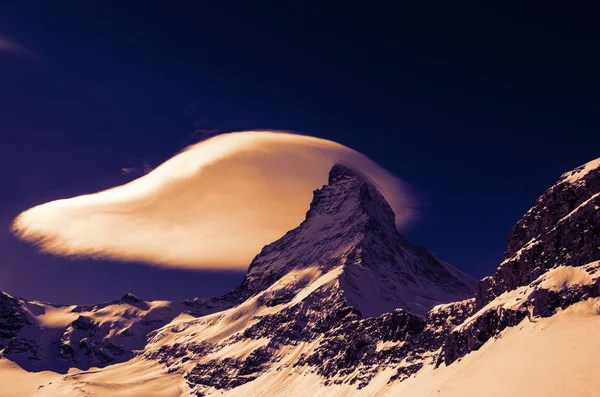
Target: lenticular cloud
<point>212,206</point>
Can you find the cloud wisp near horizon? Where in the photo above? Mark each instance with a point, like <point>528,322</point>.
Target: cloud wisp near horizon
<point>212,206</point>
<point>11,46</point>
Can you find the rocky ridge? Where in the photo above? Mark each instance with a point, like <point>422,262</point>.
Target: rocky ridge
<point>550,264</point>
<point>40,336</point>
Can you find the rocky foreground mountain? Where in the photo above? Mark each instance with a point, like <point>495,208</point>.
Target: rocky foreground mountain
<point>341,305</point>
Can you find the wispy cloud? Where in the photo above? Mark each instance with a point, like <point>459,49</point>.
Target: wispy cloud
<point>200,134</point>
<point>202,127</point>
<point>137,167</point>
<point>12,47</point>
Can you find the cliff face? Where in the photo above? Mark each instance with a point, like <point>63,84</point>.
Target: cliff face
<point>562,228</point>
<point>550,264</point>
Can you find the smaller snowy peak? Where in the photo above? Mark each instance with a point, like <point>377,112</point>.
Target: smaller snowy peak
<point>133,300</point>
<point>40,336</point>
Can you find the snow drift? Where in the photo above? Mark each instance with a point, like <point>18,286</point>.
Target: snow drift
<point>214,205</point>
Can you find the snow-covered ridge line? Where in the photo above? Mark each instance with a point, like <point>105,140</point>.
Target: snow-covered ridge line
<point>582,205</point>
<point>555,290</point>
<point>578,173</point>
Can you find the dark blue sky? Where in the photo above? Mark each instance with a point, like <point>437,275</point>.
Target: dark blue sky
<point>480,109</point>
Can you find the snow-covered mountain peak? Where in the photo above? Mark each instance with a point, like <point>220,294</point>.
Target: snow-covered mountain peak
<point>133,300</point>
<point>350,193</point>
<point>350,224</point>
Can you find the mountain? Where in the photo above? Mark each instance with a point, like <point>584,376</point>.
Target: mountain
<point>41,336</point>
<point>344,305</point>
<point>350,228</point>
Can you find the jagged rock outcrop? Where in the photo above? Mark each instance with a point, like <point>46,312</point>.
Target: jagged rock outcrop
<point>550,263</point>
<point>562,228</point>
<point>555,290</point>
<point>12,319</point>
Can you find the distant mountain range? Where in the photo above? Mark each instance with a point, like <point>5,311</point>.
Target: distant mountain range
<point>343,305</point>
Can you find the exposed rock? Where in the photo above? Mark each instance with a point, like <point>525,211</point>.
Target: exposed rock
<point>555,290</point>
<point>562,228</point>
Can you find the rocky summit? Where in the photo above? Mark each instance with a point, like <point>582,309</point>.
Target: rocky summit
<point>351,227</point>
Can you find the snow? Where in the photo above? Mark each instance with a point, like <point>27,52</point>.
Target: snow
<point>16,382</point>
<point>530,244</point>
<point>582,205</point>
<point>565,276</point>
<point>553,357</point>
<point>50,316</point>
<point>556,279</point>
<point>131,379</point>
<point>577,174</point>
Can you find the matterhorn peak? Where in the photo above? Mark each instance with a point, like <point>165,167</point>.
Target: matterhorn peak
<point>340,171</point>
<point>349,198</point>
<point>350,229</point>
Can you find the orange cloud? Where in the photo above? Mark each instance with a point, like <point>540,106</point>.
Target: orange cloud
<point>212,206</point>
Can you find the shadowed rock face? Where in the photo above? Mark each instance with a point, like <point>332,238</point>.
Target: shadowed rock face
<point>12,319</point>
<point>562,228</point>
